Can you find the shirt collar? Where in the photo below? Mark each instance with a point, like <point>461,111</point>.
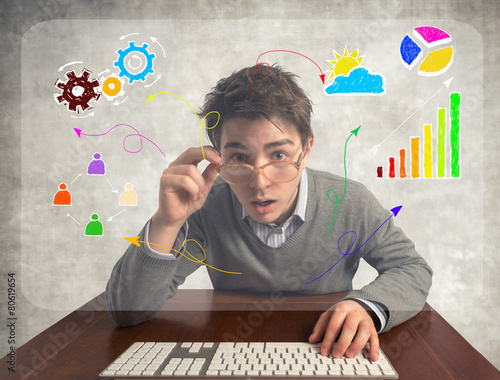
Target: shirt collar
<point>300,208</point>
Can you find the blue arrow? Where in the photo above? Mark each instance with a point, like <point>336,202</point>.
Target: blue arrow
<point>395,211</point>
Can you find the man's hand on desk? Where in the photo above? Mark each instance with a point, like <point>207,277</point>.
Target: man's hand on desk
<point>355,326</point>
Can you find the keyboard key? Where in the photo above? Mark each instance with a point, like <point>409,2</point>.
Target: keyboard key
<point>218,367</point>
<point>226,346</point>
<point>126,367</point>
<point>108,373</point>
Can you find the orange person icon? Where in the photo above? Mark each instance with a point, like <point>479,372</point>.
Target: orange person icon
<point>63,196</point>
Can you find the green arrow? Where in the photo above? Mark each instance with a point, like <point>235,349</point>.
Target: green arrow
<point>337,201</point>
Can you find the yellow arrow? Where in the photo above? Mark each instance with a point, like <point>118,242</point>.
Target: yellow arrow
<point>151,97</point>
<point>135,240</point>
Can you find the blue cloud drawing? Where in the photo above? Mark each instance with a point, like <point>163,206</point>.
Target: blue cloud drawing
<point>358,81</point>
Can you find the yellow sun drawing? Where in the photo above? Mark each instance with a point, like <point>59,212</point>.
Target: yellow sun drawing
<point>343,65</point>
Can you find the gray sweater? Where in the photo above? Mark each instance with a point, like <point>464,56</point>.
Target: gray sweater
<point>140,284</point>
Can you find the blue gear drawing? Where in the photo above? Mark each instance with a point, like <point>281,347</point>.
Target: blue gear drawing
<point>120,63</point>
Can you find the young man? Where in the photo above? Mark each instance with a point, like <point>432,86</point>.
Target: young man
<point>267,217</point>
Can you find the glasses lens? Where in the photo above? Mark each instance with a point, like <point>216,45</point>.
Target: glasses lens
<point>281,172</point>
<point>276,172</point>
<point>236,174</point>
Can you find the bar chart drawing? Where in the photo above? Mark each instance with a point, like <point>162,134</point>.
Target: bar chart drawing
<point>434,154</point>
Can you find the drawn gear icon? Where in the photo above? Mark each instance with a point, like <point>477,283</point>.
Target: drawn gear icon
<point>148,67</point>
<point>112,87</point>
<point>77,91</point>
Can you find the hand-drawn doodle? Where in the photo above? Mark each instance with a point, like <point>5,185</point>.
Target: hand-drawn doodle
<point>436,61</point>
<point>349,78</point>
<point>77,91</point>
<point>432,157</point>
<point>137,53</point>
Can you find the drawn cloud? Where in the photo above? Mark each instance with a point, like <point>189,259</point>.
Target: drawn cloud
<point>359,81</point>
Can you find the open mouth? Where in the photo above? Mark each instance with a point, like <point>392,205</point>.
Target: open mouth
<point>264,207</point>
<point>263,204</point>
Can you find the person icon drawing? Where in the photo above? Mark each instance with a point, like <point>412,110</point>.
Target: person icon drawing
<point>94,227</point>
<point>97,166</point>
<point>63,196</point>
<point>128,197</point>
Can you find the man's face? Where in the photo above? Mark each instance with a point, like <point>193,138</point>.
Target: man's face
<point>258,142</point>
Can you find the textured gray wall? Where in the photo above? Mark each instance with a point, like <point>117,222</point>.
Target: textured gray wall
<point>453,222</point>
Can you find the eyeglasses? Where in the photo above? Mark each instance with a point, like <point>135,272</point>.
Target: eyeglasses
<point>278,172</point>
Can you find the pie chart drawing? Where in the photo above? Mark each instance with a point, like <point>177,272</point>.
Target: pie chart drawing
<point>431,42</point>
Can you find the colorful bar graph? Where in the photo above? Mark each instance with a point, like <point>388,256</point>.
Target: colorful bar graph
<point>443,151</point>
<point>415,157</point>
<point>455,98</point>
<point>441,139</point>
<point>427,151</point>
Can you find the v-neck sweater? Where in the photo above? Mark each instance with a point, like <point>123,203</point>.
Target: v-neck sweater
<point>311,261</point>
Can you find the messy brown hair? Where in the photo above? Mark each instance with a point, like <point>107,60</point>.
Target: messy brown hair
<point>259,91</point>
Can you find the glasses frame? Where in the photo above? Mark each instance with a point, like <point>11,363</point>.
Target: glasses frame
<point>256,170</point>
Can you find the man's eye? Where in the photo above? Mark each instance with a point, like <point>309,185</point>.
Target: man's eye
<point>279,156</point>
<point>238,157</point>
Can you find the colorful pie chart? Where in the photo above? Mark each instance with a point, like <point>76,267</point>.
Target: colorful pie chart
<point>428,41</point>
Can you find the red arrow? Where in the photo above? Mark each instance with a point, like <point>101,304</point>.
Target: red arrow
<point>322,76</point>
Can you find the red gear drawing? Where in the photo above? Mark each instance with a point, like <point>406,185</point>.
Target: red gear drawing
<point>77,91</point>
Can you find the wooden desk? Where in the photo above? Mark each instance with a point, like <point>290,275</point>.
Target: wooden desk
<point>82,344</point>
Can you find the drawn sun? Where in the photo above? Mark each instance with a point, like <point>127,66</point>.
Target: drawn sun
<point>342,65</point>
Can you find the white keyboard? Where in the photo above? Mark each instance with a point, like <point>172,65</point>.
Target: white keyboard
<point>291,359</point>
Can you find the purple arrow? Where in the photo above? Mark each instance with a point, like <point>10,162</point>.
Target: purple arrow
<point>395,211</point>
<point>80,133</point>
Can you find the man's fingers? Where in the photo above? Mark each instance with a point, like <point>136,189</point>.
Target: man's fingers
<point>211,154</point>
<point>320,327</point>
<point>349,329</point>
<point>177,182</point>
<point>332,331</point>
<point>209,175</point>
<point>363,334</point>
<point>374,347</point>
<point>352,327</point>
